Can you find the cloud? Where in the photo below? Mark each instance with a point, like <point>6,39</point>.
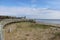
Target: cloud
<point>39,13</point>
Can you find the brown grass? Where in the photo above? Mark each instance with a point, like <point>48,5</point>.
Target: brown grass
<point>27,31</point>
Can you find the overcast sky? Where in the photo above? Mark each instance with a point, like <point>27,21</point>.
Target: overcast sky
<point>40,9</point>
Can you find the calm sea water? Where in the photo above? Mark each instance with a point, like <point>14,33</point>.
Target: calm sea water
<point>53,21</point>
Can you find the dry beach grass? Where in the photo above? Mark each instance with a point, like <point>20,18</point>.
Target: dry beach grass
<point>30,31</point>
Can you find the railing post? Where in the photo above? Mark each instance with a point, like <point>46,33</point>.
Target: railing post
<point>1,32</point>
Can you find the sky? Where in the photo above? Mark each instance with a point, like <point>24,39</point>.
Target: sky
<point>36,9</point>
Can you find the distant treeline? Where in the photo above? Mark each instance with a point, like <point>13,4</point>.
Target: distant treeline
<point>10,17</point>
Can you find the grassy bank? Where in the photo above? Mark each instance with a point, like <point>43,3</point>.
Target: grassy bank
<point>32,25</point>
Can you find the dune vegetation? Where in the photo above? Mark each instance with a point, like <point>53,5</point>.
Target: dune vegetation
<point>28,31</point>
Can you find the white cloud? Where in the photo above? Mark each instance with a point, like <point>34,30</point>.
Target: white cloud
<point>41,13</point>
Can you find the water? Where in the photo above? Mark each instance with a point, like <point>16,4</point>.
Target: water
<point>53,21</point>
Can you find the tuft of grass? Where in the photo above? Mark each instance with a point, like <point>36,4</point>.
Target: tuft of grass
<point>56,37</point>
<point>57,34</point>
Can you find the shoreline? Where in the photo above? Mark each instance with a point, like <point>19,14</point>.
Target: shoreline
<point>52,24</point>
